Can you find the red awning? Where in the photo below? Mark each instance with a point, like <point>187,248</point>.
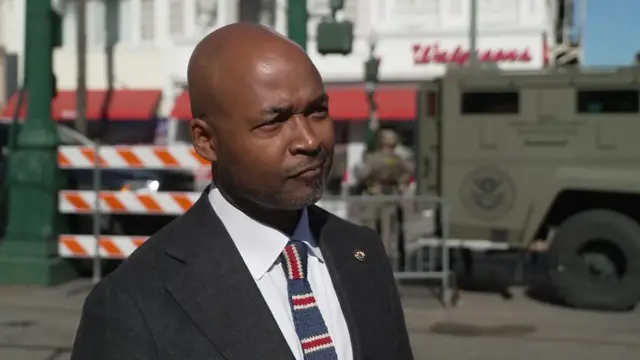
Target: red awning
<point>125,105</point>
<point>348,103</point>
<point>182,108</point>
<point>394,103</point>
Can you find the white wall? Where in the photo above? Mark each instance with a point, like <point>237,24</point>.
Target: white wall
<point>12,14</point>
<point>134,69</point>
<point>399,25</point>
<point>12,25</point>
<point>424,57</point>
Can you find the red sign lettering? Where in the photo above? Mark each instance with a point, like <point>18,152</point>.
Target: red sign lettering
<point>428,54</point>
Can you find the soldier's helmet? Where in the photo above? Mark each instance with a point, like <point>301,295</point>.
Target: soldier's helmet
<point>387,138</point>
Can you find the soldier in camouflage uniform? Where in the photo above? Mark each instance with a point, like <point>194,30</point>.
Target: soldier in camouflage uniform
<point>384,171</point>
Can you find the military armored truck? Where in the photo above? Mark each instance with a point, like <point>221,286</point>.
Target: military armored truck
<point>544,160</point>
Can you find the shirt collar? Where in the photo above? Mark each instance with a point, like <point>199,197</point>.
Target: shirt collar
<point>259,245</point>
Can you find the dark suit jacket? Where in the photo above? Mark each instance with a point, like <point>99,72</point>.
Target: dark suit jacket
<point>187,294</point>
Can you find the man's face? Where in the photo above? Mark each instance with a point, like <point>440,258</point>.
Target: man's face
<point>276,148</point>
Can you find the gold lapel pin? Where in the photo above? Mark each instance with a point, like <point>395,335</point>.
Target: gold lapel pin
<point>360,255</point>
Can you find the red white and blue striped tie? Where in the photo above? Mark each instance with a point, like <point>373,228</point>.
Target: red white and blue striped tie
<point>310,326</point>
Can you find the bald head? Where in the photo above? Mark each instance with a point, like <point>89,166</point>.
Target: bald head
<point>260,114</point>
<point>224,60</point>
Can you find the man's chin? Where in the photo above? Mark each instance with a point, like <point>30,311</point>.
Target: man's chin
<point>300,201</point>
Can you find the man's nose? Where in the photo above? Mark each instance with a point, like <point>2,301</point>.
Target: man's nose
<point>304,138</point>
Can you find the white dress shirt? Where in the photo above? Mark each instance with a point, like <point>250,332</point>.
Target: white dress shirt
<point>260,245</point>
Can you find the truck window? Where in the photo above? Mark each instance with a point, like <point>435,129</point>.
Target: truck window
<point>490,103</point>
<point>608,101</point>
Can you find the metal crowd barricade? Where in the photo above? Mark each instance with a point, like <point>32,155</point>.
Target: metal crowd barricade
<point>413,229</point>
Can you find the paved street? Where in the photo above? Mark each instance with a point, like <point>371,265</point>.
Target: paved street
<point>39,324</point>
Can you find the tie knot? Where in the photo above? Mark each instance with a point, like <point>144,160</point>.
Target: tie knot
<point>294,260</point>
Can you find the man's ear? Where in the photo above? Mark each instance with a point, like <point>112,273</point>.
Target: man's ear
<point>203,138</point>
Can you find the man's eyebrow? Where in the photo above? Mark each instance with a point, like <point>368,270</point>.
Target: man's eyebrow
<point>279,109</point>
<point>268,110</point>
<point>321,98</point>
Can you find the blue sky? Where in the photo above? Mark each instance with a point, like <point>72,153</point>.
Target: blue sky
<point>612,34</point>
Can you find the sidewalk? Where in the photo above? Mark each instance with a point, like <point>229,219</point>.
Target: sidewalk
<point>40,323</point>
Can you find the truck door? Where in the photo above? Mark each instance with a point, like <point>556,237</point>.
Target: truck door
<point>428,139</point>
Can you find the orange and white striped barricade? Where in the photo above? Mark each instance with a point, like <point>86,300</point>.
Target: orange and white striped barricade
<point>131,157</point>
<point>177,157</point>
<point>111,247</point>
<point>126,202</point>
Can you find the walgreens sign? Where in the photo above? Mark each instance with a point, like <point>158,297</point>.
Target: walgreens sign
<point>434,54</point>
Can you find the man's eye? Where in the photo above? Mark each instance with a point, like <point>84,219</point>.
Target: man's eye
<point>270,125</point>
<point>321,112</point>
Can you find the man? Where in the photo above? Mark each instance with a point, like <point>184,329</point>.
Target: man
<point>384,171</point>
<point>228,279</point>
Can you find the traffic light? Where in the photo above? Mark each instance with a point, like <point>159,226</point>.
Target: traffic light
<point>334,37</point>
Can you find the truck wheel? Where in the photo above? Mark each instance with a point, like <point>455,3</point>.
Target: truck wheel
<point>594,261</point>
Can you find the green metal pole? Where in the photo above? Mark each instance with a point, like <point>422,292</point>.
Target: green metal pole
<point>297,17</point>
<point>28,253</point>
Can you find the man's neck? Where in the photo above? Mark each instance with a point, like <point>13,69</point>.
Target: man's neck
<point>285,221</point>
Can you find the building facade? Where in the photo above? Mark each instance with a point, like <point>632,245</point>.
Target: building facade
<point>9,41</point>
<point>415,39</point>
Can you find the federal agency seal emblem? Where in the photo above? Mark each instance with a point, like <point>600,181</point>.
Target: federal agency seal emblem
<point>488,193</point>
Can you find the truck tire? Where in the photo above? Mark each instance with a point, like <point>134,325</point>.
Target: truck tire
<point>594,261</point>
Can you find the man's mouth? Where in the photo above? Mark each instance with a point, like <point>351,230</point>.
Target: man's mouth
<point>309,171</point>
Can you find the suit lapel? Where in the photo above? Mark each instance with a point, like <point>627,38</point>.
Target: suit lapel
<point>356,282</point>
<point>210,281</point>
<point>335,254</point>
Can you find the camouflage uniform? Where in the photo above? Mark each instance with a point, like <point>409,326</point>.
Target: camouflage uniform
<point>384,171</point>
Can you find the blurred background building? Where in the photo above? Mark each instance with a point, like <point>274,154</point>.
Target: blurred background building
<point>416,40</point>
<point>8,51</point>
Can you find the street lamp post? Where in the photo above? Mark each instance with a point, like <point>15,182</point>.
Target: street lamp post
<point>28,253</point>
